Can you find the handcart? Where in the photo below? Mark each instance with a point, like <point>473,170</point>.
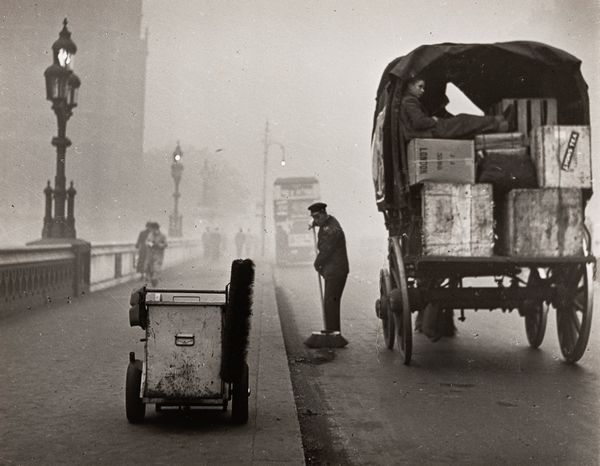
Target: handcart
<point>194,347</point>
<point>532,284</point>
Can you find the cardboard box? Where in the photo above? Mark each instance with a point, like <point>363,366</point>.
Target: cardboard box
<point>457,219</point>
<point>530,113</point>
<point>542,223</point>
<point>562,155</point>
<point>445,160</point>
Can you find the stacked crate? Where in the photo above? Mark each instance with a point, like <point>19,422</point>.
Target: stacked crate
<point>545,219</point>
<point>549,220</point>
<point>524,188</point>
<point>456,213</point>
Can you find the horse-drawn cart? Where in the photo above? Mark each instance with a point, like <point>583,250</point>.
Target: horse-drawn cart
<point>536,252</point>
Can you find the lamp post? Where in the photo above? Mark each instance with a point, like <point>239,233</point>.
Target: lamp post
<point>61,89</point>
<point>267,145</point>
<point>175,219</point>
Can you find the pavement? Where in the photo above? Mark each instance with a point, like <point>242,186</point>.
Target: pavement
<point>63,384</point>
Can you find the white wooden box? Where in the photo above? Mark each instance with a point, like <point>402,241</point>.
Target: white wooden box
<point>457,219</point>
<point>543,223</point>
<point>562,155</point>
<point>183,350</point>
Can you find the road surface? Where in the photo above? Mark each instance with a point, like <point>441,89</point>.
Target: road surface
<point>483,397</point>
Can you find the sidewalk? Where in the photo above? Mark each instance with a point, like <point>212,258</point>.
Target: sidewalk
<point>63,386</point>
<point>277,432</point>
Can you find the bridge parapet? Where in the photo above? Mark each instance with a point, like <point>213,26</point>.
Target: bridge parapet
<point>32,276</point>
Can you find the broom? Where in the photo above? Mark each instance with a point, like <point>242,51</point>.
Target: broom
<point>236,327</point>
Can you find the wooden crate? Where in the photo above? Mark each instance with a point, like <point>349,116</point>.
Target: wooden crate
<point>542,223</point>
<point>457,219</point>
<point>563,156</point>
<point>531,113</point>
<point>499,141</point>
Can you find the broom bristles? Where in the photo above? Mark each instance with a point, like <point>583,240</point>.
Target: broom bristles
<point>236,329</point>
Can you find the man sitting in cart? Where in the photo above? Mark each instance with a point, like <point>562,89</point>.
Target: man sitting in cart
<point>418,123</point>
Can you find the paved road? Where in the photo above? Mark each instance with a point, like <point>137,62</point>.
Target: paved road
<point>483,397</point>
<point>62,387</point>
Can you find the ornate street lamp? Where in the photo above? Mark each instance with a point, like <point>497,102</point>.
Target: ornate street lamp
<point>175,219</point>
<point>62,86</point>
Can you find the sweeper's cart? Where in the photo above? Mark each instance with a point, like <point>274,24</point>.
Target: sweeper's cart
<point>195,347</point>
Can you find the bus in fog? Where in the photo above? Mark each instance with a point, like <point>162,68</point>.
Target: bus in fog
<point>294,242</point>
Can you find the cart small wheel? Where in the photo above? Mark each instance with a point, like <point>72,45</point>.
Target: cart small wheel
<point>134,406</point>
<point>385,310</point>
<point>400,304</point>
<point>158,407</point>
<point>536,314</point>
<point>239,402</point>
<point>574,310</point>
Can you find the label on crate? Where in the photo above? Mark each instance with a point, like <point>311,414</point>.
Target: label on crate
<point>568,157</point>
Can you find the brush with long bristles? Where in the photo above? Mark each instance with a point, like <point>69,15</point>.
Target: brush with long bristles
<point>236,328</point>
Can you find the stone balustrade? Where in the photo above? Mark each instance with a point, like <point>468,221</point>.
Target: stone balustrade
<point>32,276</point>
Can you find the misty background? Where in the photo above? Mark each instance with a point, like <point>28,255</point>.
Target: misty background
<point>210,74</point>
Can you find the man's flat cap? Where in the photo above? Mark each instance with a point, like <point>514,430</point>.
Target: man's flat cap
<point>317,207</point>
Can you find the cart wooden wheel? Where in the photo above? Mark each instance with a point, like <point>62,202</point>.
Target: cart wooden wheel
<point>574,308</point>
<point>134,406</point>
<point>239,404</point>
<point>399,302</point>
<point>536,314</point>
<point>384,310</point>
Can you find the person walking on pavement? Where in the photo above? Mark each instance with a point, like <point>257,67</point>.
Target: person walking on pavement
<point>156,243</point>
<point>140,245</point>
<point>240,239</point>
<point>331,262</point>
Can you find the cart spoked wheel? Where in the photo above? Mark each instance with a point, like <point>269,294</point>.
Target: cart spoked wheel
<point>134,406</point>
<point>384,310</point>
<point>574,308</point>
<point>399,302</point>
<point>239,403</point>
<point>536,314</point>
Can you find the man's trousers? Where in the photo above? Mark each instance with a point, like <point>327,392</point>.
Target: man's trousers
<point>334,287</point>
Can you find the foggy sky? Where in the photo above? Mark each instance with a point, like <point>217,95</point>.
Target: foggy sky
<point>218,70</point>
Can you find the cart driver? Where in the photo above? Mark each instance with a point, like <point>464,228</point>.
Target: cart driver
<point>331,262</point>
<point>418,123</point>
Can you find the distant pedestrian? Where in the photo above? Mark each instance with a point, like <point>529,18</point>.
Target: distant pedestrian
<point>140,245</point>
<point>240,240</point>
<point>156,243</point>
<point>331,262</point>
<point>216,243</point>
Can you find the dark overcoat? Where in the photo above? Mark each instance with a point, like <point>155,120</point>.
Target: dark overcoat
<point>332,258</point>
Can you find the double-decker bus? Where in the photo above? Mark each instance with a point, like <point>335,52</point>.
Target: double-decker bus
<point>291,198</point>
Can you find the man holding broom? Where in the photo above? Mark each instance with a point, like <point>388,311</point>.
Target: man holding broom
<point>331,263</point>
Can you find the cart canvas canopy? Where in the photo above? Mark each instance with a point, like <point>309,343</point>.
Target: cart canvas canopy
<point>486,74</point>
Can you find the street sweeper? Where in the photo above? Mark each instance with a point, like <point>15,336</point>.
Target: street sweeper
<point>331,263</point>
